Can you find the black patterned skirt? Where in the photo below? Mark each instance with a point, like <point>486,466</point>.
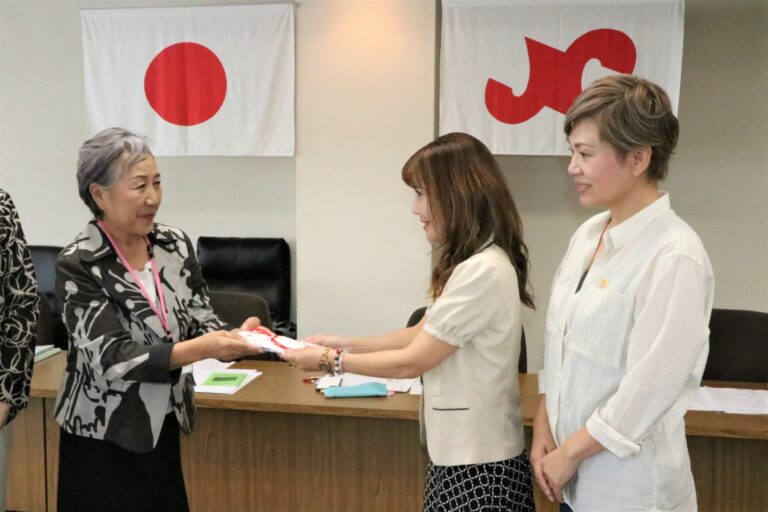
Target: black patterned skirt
<point>494,486</point>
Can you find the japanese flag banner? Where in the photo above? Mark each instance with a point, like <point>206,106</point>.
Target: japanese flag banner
<point>196,80</point>
<point>509,69</point>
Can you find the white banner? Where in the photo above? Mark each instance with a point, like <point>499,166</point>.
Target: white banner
<point>196,80</point>
<point>509,69</point>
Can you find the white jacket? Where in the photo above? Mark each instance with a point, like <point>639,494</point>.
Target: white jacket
<point>471,403</point>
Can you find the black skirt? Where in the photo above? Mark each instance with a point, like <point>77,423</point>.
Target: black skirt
<point>97,475</point>
<point>491,487</point>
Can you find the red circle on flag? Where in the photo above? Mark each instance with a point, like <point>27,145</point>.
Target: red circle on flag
<point>185,84</point>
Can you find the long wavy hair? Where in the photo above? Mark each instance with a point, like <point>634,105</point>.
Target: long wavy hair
<point>470,203</point>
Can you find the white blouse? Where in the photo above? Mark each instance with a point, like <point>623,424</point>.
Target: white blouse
<point>624,355</point>
<point>147,278</point>
<point>471,402</point>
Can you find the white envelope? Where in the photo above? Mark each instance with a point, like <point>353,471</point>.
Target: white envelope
<point>271,342</point>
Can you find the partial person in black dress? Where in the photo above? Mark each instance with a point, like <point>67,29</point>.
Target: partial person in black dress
<point>18,320</point>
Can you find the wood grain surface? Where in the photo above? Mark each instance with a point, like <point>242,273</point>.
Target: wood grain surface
<point>280,445</point>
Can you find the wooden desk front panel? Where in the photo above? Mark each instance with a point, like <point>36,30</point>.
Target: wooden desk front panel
<point>52,434</point>
<point>244,460</point>
<point>731,475</point>
<point>238,460</point>
<point>295,450</point>
<point>25,487</point>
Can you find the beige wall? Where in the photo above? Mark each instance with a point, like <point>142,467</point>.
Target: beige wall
<point>365,101</point>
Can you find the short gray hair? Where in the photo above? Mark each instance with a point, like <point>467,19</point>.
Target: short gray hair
<point>104,157</point>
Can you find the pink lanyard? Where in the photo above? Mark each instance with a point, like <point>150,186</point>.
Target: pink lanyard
<point>162,313</point>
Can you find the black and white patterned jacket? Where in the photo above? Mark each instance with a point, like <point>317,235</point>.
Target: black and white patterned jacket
<point>117,383</point>
<point>19,304</point>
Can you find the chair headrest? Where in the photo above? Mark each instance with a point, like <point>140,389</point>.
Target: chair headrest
<point>253,265</point>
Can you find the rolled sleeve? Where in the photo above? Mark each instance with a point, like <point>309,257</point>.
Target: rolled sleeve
<point>610,438</point>
<point>667,351</point>
<point>466,306</point>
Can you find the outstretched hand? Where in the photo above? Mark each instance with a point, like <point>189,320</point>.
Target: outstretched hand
<point>329,340</point>
<point>227,346</point>
<point>307,359</point>
<point>251,322</point>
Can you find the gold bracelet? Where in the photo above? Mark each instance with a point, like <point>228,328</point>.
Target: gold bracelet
<point>325,364</point>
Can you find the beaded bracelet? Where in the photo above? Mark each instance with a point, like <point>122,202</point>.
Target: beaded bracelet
<point>338,363</point>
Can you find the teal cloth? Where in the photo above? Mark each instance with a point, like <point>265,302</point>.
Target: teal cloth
<point>367,389</point>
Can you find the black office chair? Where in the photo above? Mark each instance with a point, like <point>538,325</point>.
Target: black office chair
<point>235,307</point>
<point>253,265</point>
<point>522,363</point>
<point>44,262</point>
<point>416,317</point>
<point>44,331</point>
<point>738,346</point>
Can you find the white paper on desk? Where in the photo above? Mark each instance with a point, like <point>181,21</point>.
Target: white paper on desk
<point>730,400</point>
<point>227,390</point>
<point>328,381</point>
<point>272,343</point>
<point>45,351</point>
<point>202,369</point>
<point>417,388</point>
<point>397,385</point>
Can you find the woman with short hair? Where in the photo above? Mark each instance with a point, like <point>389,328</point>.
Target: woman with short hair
<point>627,325</point>
<point>467,345</point>
<point>136,311</point>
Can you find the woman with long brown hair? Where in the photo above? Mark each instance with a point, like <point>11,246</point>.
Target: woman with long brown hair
<point>467,345</point>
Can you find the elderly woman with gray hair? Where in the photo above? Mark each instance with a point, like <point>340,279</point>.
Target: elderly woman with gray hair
<point>136,311</point>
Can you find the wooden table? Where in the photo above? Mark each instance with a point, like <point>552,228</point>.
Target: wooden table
<point>278,445</point>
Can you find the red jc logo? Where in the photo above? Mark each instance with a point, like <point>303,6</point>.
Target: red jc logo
<point>555,76</point>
